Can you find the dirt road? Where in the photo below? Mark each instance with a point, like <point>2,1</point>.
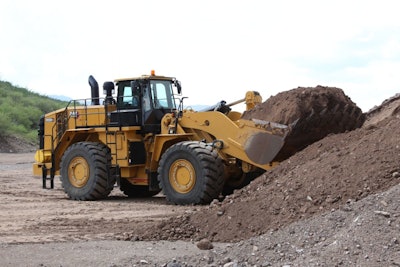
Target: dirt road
<point>29,213</point>
<point>40,227</point>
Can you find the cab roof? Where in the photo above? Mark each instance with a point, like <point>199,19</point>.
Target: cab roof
<point>145,77</point>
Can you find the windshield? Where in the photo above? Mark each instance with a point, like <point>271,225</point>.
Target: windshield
<point>162,95</point>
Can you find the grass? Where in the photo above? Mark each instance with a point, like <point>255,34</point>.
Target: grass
<point>21,109</point>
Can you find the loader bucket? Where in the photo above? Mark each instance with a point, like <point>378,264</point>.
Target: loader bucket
<point>263,147</point>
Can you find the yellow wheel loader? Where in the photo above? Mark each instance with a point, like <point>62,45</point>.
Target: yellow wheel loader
<point>143,140</point>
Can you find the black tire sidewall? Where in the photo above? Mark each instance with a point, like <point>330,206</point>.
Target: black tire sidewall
<point>194,196</point>
<point>208,166</point>
<point>82,149</point>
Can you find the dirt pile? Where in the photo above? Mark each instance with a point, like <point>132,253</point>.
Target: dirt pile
<point>322,177</point>
<point>15,144</point>
<point>312,113</point>
<point>389,108</point>
<point>325,176</point>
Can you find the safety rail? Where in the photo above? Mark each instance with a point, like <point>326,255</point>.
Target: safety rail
<point>70,114</point>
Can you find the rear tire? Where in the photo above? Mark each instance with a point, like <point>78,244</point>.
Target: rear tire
<point>191,173</point>
<point>84,174</point>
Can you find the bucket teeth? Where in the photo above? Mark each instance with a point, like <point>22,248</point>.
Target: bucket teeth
<point>273,127</point>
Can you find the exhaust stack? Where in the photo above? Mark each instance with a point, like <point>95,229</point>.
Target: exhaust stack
<point>94,86</point>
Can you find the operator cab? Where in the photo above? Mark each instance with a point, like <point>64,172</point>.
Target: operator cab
<point>144,101</point>
<point>157,100</point>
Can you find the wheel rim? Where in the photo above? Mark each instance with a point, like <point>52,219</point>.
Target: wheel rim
<point>182,176</point>
<point>78,172</point>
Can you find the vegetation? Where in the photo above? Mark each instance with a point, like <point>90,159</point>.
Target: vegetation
<point>21,109</point>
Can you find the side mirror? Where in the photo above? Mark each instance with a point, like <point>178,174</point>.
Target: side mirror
<point>178,86</point>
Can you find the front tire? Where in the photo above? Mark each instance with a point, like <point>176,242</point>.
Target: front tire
<point>84,174</point>
<point>191,173</point>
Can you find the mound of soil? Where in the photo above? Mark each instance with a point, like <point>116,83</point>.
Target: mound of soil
<point>389,108</point>
<point>324,176</point>
<point>327,175</point>
<point>15,144</point>
<point>311,112</point>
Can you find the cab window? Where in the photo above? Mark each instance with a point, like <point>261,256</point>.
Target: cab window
<point>126,97</point>
<point>162,94</point>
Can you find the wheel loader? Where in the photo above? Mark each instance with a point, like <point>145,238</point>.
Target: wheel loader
<point>142,139</point>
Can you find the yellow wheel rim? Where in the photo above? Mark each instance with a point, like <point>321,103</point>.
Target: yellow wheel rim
<point>78,172</point>
<point>182,176</point>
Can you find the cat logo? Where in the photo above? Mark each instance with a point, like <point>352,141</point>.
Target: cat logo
<point>74,114</point>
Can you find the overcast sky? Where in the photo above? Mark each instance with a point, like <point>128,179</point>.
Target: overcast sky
<point>217,49</point>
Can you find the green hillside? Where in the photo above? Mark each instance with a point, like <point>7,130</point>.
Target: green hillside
<point>20,110</point>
